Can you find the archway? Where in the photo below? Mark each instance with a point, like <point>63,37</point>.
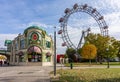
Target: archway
<point>34,54</point>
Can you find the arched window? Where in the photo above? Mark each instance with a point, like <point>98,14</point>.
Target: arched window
<point>22,43</point>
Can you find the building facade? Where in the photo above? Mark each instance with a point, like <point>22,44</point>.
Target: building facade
<point>33,47</point>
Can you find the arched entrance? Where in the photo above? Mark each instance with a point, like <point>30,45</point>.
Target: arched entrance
<point>34,54</point>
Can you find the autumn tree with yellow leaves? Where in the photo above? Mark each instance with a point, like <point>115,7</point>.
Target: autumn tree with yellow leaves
<point>89,51</point>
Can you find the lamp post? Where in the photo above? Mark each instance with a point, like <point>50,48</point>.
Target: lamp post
<point>108,66</point>
<point>54,51</point>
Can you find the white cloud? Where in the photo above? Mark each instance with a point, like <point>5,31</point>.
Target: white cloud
<point>115,35</point>
<point>4,37</point>
<point>110,9</point>
<point>40,24</point>
<point>45,26</point>
<point>113,20</point>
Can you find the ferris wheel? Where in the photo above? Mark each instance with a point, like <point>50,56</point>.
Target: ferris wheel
<point>65,24</point>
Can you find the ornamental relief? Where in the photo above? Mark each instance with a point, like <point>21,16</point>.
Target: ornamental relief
<point>35,38</point>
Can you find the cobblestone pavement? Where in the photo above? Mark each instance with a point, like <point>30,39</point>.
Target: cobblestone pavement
<point>25,74</point>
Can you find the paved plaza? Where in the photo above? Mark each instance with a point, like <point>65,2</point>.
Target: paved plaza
<point>33,73</point>
<point>25,74</point>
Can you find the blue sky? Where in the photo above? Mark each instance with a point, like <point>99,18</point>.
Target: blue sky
<point>17,15</point>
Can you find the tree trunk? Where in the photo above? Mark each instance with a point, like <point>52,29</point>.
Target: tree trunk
<point>100,59</point>
<point>96,59</point>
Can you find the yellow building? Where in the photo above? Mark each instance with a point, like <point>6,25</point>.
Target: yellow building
<point>33,47</point>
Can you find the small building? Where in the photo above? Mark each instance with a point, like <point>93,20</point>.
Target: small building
<point>59,56</point>
<point>33,47</point>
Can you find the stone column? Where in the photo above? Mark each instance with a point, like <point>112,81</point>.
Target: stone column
<point>13,54</point>
<point>17,59</point>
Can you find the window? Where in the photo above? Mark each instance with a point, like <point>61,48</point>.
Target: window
<point>35,57</point>
<point>16,45</point>
<point>22,44</point>
<point>9,47</point>
<point>48,44</point>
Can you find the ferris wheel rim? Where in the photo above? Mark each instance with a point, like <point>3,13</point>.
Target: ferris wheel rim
<point>86,9</point>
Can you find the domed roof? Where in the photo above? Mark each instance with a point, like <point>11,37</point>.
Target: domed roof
<point>33,27</point>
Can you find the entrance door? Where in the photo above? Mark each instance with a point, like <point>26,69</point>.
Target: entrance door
<point>34,54</point>
<point>34,57</point>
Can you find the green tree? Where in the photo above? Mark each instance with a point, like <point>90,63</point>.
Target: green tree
<point>116,44</point>
<point>79,51</point>
<point>111,52</point>
<point>65,56</point>
<point>100,42</point>
<point>113,47</point>
<point>89,51</point>
<point>119,55</point>
<point>71,54</point>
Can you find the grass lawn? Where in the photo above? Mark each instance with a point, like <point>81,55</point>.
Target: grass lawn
<point>93,63</point>
<point>89,75</point>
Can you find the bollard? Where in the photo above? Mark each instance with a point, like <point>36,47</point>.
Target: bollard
<point>71,65</point>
